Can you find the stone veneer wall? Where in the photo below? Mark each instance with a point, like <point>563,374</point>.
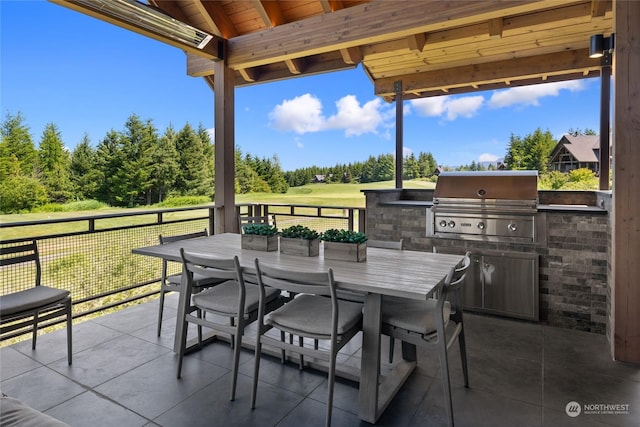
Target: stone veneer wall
<point>574,262</point>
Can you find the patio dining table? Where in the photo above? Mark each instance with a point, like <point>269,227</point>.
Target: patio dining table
<point>407,274</point>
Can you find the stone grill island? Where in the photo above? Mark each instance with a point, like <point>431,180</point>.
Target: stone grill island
<point>572,268</point>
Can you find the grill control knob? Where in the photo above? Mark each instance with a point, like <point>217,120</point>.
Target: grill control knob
<point>481,225</point>
<point>452,224</point>
<point>443,223</point>
<point>512,227</point>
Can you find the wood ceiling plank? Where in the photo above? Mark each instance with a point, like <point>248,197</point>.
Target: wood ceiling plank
<point>271,10</point>
<point>367,23</point>
<point>218,18</point>
<point>482,74</point>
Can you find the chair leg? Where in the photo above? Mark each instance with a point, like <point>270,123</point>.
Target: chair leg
<point>444,372</point>
<point>160,309</point>
<point>463,356</point>
<point>301,344</point>
<point>199,329</point>
<point>35,331</point>
<point>69,333</point>
<point>256,369</point>
<point>183,344</point>
<point>392,343</point>
<point>330,386</point>
<point>282,352</point>
<point>236,356</point>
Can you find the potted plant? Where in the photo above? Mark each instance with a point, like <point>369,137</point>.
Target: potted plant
<point>299,240</point>
<point>259,237</point>
<point>347,245</point>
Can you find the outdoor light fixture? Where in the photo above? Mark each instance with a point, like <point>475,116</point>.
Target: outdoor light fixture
<point>600,46</point>
<point>147,20</point>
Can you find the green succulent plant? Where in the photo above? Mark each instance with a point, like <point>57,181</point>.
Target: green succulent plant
<point>260,229</point>
<point>299,232</point>
<point>343,236</point>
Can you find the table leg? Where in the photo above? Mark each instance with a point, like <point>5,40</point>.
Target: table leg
<point>370,364</point>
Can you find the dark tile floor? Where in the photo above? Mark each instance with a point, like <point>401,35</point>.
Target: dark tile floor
<point>521,374</point>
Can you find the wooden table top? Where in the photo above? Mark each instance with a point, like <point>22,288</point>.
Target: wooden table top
<point>408,274</point>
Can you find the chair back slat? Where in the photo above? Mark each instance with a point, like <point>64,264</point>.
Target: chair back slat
<point>212,267</point>
<point>28,253</point>
<point>178,237</point>
<point>321,283</point>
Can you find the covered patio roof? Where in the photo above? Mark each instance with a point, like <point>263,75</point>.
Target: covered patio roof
<point>415,49</point>
<point>433,47</point>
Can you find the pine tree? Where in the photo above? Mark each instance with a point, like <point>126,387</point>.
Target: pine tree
<point>54,164</point>
<point>85,175</point>
<point>18,154</point>
<point>162,158</point>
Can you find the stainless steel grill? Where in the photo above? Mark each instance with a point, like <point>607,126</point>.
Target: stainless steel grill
<point>492,206</point>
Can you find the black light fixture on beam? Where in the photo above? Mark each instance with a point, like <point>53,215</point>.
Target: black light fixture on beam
<point>601,47</point>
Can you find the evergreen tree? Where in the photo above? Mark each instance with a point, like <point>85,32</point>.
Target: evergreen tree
<point>530,153</point>
<point>53,165</point>
<point>18,154</point>
<point>108,161</point>
<point>385,168</point>
<point>163,166</point>
<point>192,178</point>
<point>85,175</point>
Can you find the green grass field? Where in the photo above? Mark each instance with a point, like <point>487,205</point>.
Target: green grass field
<point>347,195</point>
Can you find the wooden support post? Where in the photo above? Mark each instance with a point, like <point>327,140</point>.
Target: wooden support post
<point>225,198</point>
<point>625,268</point>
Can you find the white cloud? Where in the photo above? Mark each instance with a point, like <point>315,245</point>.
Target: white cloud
<point>488,157</point>
<point>530,95</point>
<point>299,143</point>
<point>451,108</point>
<point>406,151</point>
<point>430,107</point>
<point>301,114</point>
<point>465,106</point>
<point>304,114</point>
<point>212,134</point>
<point>356,119</point>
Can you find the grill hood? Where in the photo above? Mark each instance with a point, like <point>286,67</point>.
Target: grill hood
<point>495,185</point>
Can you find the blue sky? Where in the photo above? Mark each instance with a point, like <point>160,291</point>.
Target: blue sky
<point>87,76</point>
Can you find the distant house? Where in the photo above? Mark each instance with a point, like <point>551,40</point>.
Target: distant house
<point>438,171</point>
<point>575,152</point>
<point>321,178</point>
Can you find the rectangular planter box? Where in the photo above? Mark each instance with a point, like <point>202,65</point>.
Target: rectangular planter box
<point>300,247</point>
<point>259,243</point>
<point>355,252</point>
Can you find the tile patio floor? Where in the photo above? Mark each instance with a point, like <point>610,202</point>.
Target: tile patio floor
<point>521,374</point>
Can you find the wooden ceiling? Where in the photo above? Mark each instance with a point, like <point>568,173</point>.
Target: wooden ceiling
<point>432,47</point>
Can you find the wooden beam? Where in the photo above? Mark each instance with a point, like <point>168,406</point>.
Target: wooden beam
<point>501,71</point>
<point>295,66</point>
<point>462,89</point>
<point>625,268</point>
<point>367,23</point>
<point>200,67</point>
<point>210,51</point>
<point>598,8</point>
<point>351,55</point>
<point>269,12</point>
<point>495,28</point>
<point>250,75</point>
<point>416,42</point>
